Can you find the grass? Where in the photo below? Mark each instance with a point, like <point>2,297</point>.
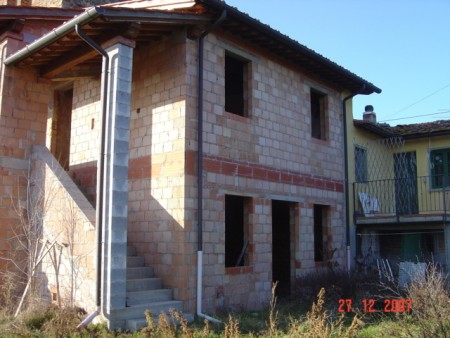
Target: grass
<point>312,311</point>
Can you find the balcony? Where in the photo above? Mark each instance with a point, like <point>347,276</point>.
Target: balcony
<point>405,200</point>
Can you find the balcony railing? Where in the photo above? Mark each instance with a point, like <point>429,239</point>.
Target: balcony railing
<point>423,195</point>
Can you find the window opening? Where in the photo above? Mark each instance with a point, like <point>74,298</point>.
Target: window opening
<point>235,85</point>
<point>236,231</point>
<point>440,168</point>
<point>360,164</point>
<point>318,115</point>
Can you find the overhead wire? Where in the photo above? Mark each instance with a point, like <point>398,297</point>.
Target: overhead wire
<point>410,117</point>
<point>416,102</point>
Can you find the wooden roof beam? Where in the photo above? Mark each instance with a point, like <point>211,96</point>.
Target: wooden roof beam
<point>83,72</point>
<point>68,62</point>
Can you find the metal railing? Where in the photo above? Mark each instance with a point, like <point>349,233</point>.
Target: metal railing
<point>403,196</point>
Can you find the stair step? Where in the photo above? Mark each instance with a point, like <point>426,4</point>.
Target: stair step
<point>131,250</point>
<point>135,261</point>
<point>140,272</point>
<point>137,324</point>
<point>143,284</point>
<point>148,296</point>
<point>138,311</point>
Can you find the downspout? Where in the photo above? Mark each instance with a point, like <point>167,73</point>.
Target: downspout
<point>100,171</point>
<point>200,168</point>
<point>346,180</point>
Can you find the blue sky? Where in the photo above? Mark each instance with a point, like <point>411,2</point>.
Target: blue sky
<point>401,46</point>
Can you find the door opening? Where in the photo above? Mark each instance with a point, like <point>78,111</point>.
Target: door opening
<point>61,126</point>
<point>281,246</point>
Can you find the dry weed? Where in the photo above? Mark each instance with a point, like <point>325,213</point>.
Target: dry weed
<point>206,332</point>
<point>185,330</point>
<point>231,329</point>
<point>319,323</point>
<point>273,313</point>
<point>8,291</point>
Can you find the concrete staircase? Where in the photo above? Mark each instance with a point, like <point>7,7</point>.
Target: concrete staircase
<point>145,292</point>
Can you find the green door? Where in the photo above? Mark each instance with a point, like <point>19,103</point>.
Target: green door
<point>411,247</point>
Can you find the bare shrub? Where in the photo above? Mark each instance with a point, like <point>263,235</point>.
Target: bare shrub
<point>430,304</point>
<point>8,295</point>
<point>62,321</point>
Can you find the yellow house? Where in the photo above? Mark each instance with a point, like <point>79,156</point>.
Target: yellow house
<point>399,191</point>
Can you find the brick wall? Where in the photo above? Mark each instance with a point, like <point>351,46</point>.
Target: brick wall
<point>23,113</point>
<point>268,155</point>
<point>85,136</point>
<point>159,225</point>
<point>68,221</point>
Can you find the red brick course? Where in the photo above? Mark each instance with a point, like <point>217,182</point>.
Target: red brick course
<point>229,167</point>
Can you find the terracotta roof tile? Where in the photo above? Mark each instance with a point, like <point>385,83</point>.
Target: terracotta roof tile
<point>415,130</point>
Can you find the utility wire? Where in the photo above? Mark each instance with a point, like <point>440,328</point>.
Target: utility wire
<point>410,117</point>
<point>422,99</point>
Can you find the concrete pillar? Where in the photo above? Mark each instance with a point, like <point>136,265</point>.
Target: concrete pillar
<point>115,203</point>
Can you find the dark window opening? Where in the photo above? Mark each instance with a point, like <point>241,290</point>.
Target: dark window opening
<point>440,168</point>
<point>318,126</point>
<point>236,231</point>
<point>235,85</point>
<point>360,164</point>
<point>320,233</point>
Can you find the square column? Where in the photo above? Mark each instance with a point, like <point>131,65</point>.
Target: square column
<point>115,192</point>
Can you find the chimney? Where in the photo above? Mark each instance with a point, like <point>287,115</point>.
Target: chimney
<point>369,115</point>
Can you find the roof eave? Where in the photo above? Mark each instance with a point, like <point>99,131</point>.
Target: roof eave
<point>54,35</point>
<point>359,82</point>
<point>373,128</point>
<point>110,14</point>
<point>429,134</point>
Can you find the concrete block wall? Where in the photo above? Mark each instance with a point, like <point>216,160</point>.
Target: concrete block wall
<point>268,155</point>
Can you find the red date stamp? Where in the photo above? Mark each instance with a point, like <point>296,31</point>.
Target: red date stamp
<point>372,305</point>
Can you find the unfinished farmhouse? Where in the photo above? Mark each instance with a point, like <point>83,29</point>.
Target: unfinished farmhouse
<point>169,154</point>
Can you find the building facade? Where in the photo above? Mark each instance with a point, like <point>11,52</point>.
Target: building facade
<point>400,192</point>
<point>187,134</point>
